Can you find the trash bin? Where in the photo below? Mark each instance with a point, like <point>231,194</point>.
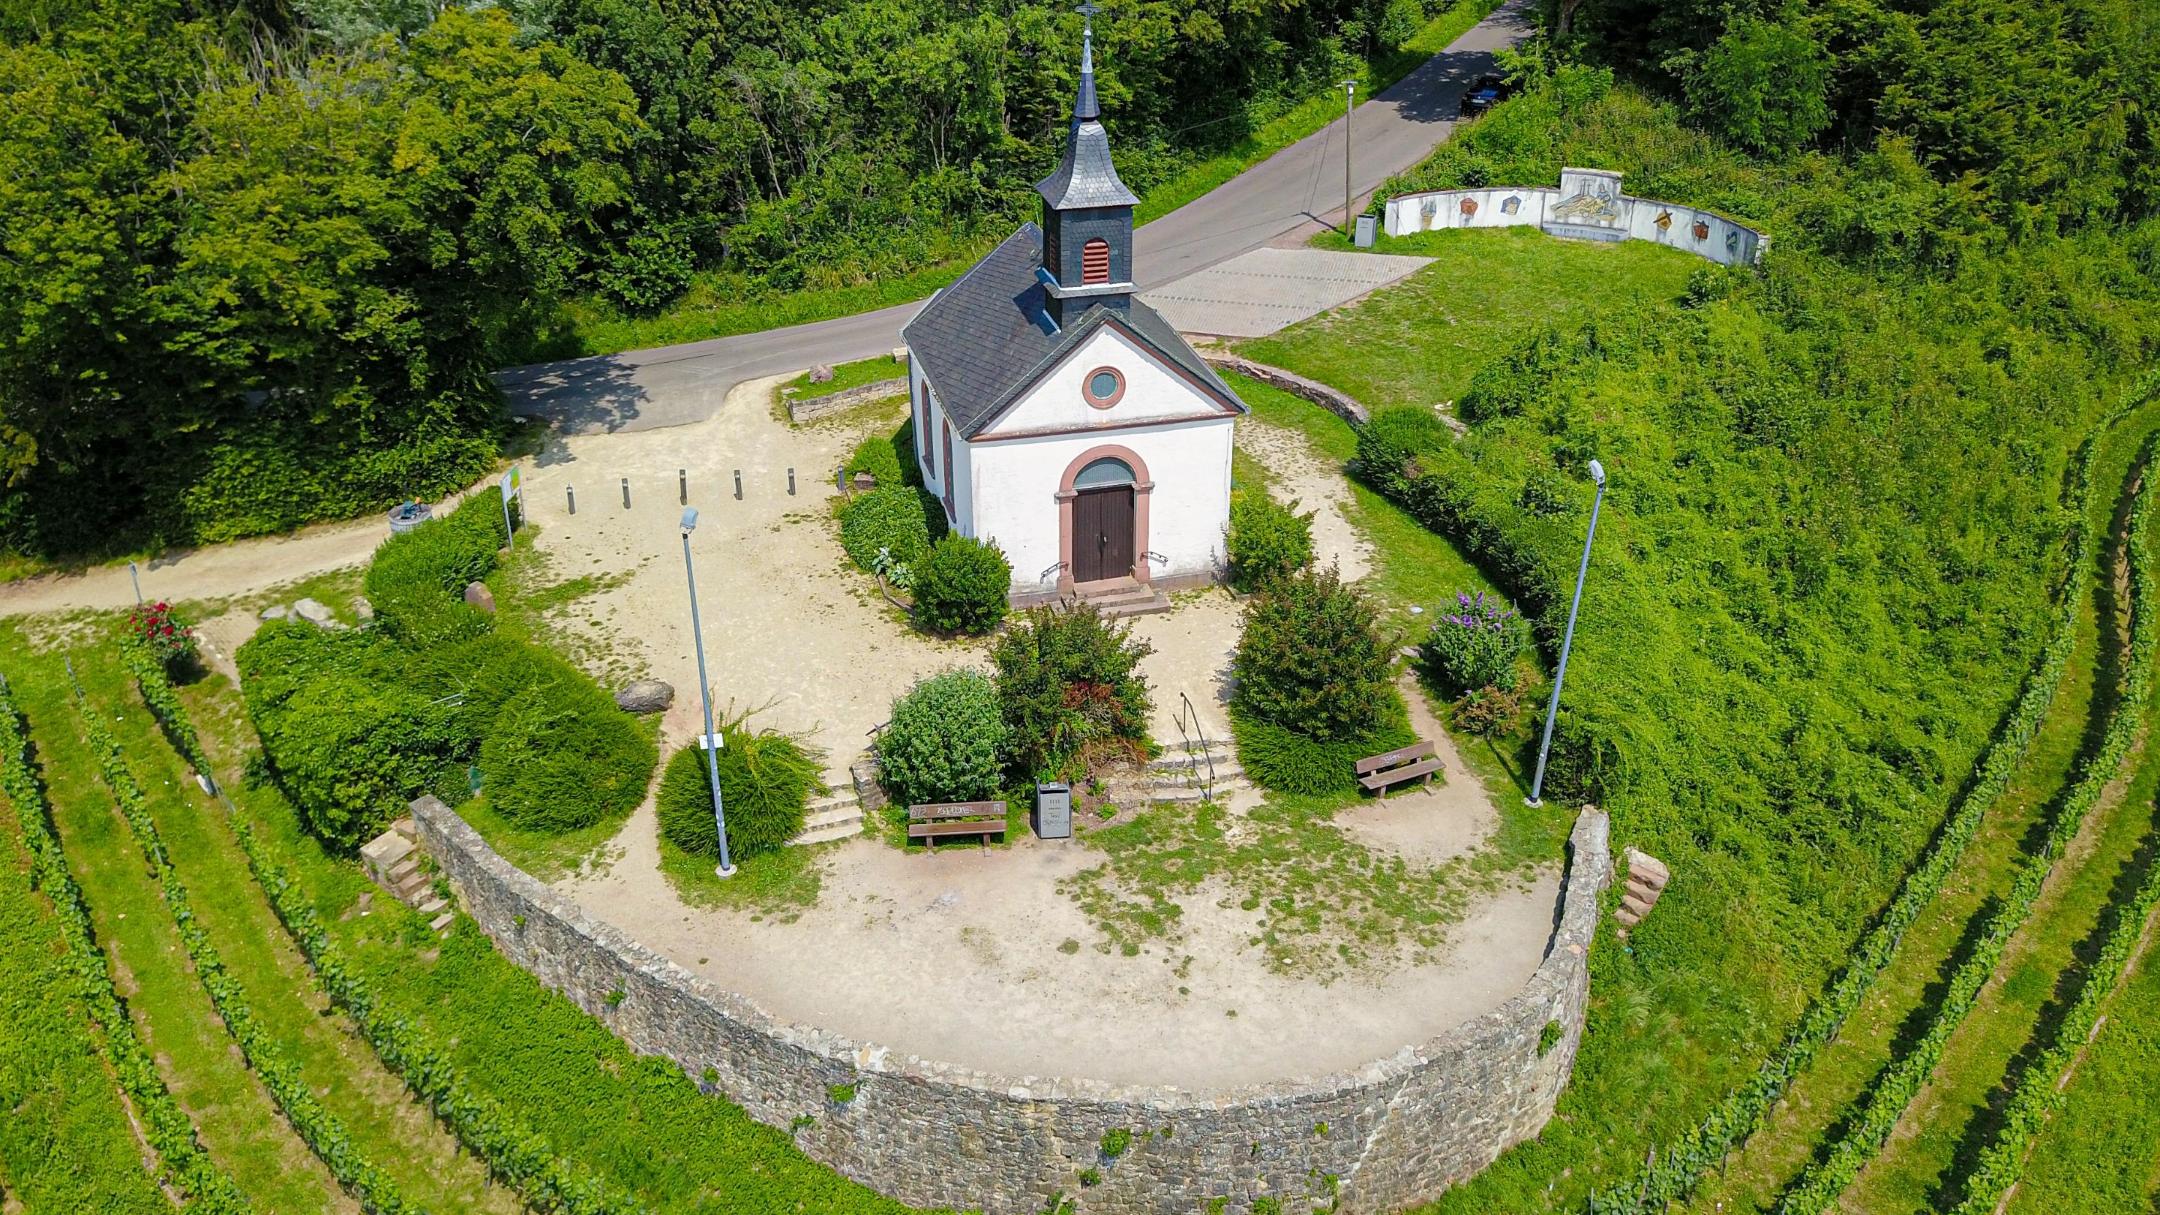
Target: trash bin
<point>1367,228</point>
<point>1053,811</point>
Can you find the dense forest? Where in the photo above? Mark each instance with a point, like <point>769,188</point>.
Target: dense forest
<point>260,257</point>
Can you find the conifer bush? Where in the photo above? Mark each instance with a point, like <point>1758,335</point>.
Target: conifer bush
<point>946,741</point>
<point>766,781</point>
<point>1311,659</point>
<point>560,755</point>
<point>890,529</point>
<point>1266,540</point>
<point>961,587</point>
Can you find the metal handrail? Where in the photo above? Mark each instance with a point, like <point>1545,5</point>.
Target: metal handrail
<point>1206,751</point>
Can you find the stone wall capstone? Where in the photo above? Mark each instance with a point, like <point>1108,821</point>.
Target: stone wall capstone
<point>1394,1132</point>
<point>1341,404</point>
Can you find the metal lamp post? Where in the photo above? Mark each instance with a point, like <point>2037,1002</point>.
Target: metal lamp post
<point>711,740</point>
<point>1552,710</point>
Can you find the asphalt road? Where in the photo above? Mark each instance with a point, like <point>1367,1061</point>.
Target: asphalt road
<point>1300,186</point>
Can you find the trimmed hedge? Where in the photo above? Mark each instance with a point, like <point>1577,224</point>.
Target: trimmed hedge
<point>1872,1117</point>
<point>416,581</point>
<point>184,1163</point>
<point>766,781</point>
<point>1678,1165</point>
<point>514,1154</point>
<point>320,1129</point>
<point>900,520</point>
<point>1289,762</point>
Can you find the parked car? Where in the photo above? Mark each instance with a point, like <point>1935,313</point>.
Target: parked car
<point>1483,94</point>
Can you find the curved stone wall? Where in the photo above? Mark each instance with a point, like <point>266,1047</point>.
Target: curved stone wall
<point>1394,1132</point>
<point>1587,205</point>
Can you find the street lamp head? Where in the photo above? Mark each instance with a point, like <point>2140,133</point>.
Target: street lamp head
<point>1597,473</point>
<point>689,520</point>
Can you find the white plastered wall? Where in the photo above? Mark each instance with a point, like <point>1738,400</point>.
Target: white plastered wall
<point>1016,483</point>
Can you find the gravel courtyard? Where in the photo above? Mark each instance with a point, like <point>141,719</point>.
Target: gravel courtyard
<point>978,956</point>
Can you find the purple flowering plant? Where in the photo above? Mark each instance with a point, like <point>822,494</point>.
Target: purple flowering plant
<point>1476,644</point>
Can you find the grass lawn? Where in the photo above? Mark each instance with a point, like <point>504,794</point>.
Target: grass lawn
<point>849,375</point>
<point>238,1123</point>
<point>66,1143</point>
<point>723,304</point>
<point>1420,341</point>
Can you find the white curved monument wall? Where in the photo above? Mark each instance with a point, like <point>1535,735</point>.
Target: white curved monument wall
<point>1588,205</point>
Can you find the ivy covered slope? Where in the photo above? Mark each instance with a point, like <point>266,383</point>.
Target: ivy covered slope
<point>1838,523</point>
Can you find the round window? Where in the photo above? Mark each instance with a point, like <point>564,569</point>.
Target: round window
<point>1103,387</point>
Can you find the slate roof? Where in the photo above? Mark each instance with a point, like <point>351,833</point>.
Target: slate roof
<point>1086,177</point>
<point>986,338</point>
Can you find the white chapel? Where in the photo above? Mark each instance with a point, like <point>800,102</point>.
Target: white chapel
<point>1057,414</point>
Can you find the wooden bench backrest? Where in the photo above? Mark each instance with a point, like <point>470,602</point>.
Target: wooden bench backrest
<point>934,811</point>
<point>1401,755</point>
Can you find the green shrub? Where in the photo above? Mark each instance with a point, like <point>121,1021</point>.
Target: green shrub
<point>766,780</point>
<point>351,744</point>
<point>1476,645</point>
<point>1266,541</point>
<point>946,741</point>
<point>560,755</point>
<point>1287,761</point>
<point>1400,22</point>
<point>889,458</point>
<point>962,586</point>
<point>1068,681</point>
<point>897,520</point>
<point>417,580</point>
<point>1311,659</point>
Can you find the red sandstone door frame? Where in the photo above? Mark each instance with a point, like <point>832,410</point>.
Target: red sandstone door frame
<point>1143,486</point>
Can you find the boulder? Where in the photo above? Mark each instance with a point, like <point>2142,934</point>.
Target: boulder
<point>276,611</point>
<point>315,612</point>
<point>646,696</point>
<point>821,374</point>
<point>477,594</point>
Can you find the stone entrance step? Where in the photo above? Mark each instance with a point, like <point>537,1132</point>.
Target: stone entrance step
<point>1127,597</point>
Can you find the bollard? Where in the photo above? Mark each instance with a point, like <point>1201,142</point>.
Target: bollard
<point>682,486</point>
<point>790,482</point>
<point>738,485</point>
<point>626,493</point>
<point>570,492</point>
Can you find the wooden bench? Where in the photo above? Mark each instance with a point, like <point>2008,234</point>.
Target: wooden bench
<point>1414,762</point>
<point>931,820</point>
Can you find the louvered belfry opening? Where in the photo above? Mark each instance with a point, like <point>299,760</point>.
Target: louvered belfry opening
<point>1095,262</point>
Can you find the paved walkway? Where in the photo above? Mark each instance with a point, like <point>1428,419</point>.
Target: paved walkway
<point>1257,293</point>
<point>1298,188</point>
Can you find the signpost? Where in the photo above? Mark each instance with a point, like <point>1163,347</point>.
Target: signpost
<point>512,485</point>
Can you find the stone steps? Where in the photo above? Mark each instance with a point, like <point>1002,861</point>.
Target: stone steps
<point>1128,598</point>
<point>835,816</point>
<point>392,861</point>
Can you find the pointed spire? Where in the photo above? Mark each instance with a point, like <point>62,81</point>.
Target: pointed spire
<point>1085,108</point>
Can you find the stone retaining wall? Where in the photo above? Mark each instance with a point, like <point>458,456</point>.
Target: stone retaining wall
<point>1341,404</point>
<point>1394,1132</point>
<point>805,408</point>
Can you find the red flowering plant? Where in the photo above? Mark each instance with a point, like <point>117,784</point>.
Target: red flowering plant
<point>158,629</point>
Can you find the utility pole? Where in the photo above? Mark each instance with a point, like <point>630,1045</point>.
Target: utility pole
<point>1349,106</point>
<point>711,741</point>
